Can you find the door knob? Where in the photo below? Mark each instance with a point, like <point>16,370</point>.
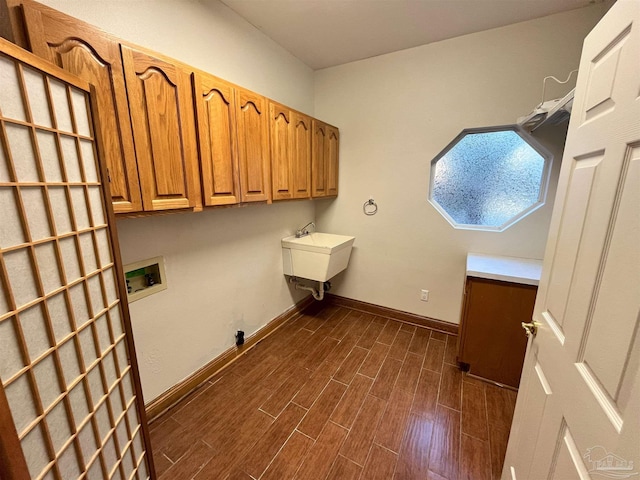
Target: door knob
<point>530,328</point>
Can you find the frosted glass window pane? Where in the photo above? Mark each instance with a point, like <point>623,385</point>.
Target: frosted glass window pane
<point>10,357</point>
<point>60,209</point>
<point>69,361</point>
<point>23,284</point>
<point>95,290</point>
<point>24,160</point>
<point>61,105</point>
<point>111,378</point>
<point>103,333</point>
<point>88,161</point>
<point>58,424</point>
<point>20,399</point>
<point>88,445</point>
<point>88,346</point>
<point>79,404</point>
<point>59,315</point>
<point>95,383</point>
<point>110,285</point>
<point>71,160</point>
<point>97,209</point>
<point>34,330</point>
<point>48,266</point>
<point>69,252</point>
<point>35,451</point>
<point>47,381</point>
<point>68,463</point>
<point>34,81</point>
<point>10,94</point>
<point>11,232</point>
<point>34,204</point>
<point>5,176</point>
<point>80,207</point>
<point>103,247</point>
<point>88,253</point>
<point>488,178</point>
<point>79,101</point>
<point>49,156</point>
<point>79,305</point>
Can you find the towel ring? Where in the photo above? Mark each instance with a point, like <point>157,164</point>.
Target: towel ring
<point>370,207</point>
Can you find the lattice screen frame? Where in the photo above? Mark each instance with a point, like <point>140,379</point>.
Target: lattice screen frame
<point>111,440</point>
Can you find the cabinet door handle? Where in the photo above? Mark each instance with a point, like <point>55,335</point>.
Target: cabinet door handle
<point>530,328</point>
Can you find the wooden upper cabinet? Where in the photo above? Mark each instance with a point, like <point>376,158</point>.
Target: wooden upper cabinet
<point>324,170</point>
<point>91,55</point>
<point>162,118</point>
<point>302,128</point>
<point>331,160</point>
<point>252,120</point>
<point>215,102</point>
<point>281,152</point>
<point>318,170</point>
<point>290,153</point>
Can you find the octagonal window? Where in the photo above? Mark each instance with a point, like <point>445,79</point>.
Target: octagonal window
<point>489,178</point>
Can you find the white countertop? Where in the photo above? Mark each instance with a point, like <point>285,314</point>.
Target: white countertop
<point>508,269</point>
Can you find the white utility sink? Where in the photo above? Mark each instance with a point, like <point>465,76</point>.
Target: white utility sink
<point>316,256</point>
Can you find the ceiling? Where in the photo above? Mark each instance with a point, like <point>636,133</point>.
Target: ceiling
<point>324,33</point>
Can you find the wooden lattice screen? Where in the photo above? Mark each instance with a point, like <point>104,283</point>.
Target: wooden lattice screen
<point>67,364</point>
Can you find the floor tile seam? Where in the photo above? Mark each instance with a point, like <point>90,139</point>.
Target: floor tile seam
<point>272,416</point>
<point>280,449</point>
<point>452,409</point>
<point>483,440</point>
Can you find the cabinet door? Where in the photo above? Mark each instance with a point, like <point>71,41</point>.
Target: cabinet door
<point>492,341</point>
<point>91,55</point>
<point>215,109</point>
<point>253,146</point>
<point>318,170</point>
<point>331,160</point>
<point>301,163</point>
<point>281,152</point>
<point>162,118</point>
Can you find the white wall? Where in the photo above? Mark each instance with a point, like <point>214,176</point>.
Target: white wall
<point>395,113</point>
<point>224,266</point>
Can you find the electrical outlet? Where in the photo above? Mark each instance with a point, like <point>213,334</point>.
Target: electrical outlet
<point>424,295</point>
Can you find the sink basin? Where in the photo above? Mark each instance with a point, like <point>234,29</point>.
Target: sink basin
<point>317,256</point>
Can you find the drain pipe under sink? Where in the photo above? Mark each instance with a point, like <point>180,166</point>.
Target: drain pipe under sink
<point>318,293</point>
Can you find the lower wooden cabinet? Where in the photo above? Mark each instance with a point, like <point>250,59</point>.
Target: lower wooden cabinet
<point>492,342</point>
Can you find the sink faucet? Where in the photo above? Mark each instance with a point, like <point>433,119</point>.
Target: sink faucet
<point>301,232</point>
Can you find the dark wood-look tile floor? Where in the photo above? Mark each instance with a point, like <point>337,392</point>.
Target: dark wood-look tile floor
<point>339,394</point>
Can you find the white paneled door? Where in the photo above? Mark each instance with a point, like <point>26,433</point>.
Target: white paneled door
<point>578,411</point>
<point>70,401</point>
